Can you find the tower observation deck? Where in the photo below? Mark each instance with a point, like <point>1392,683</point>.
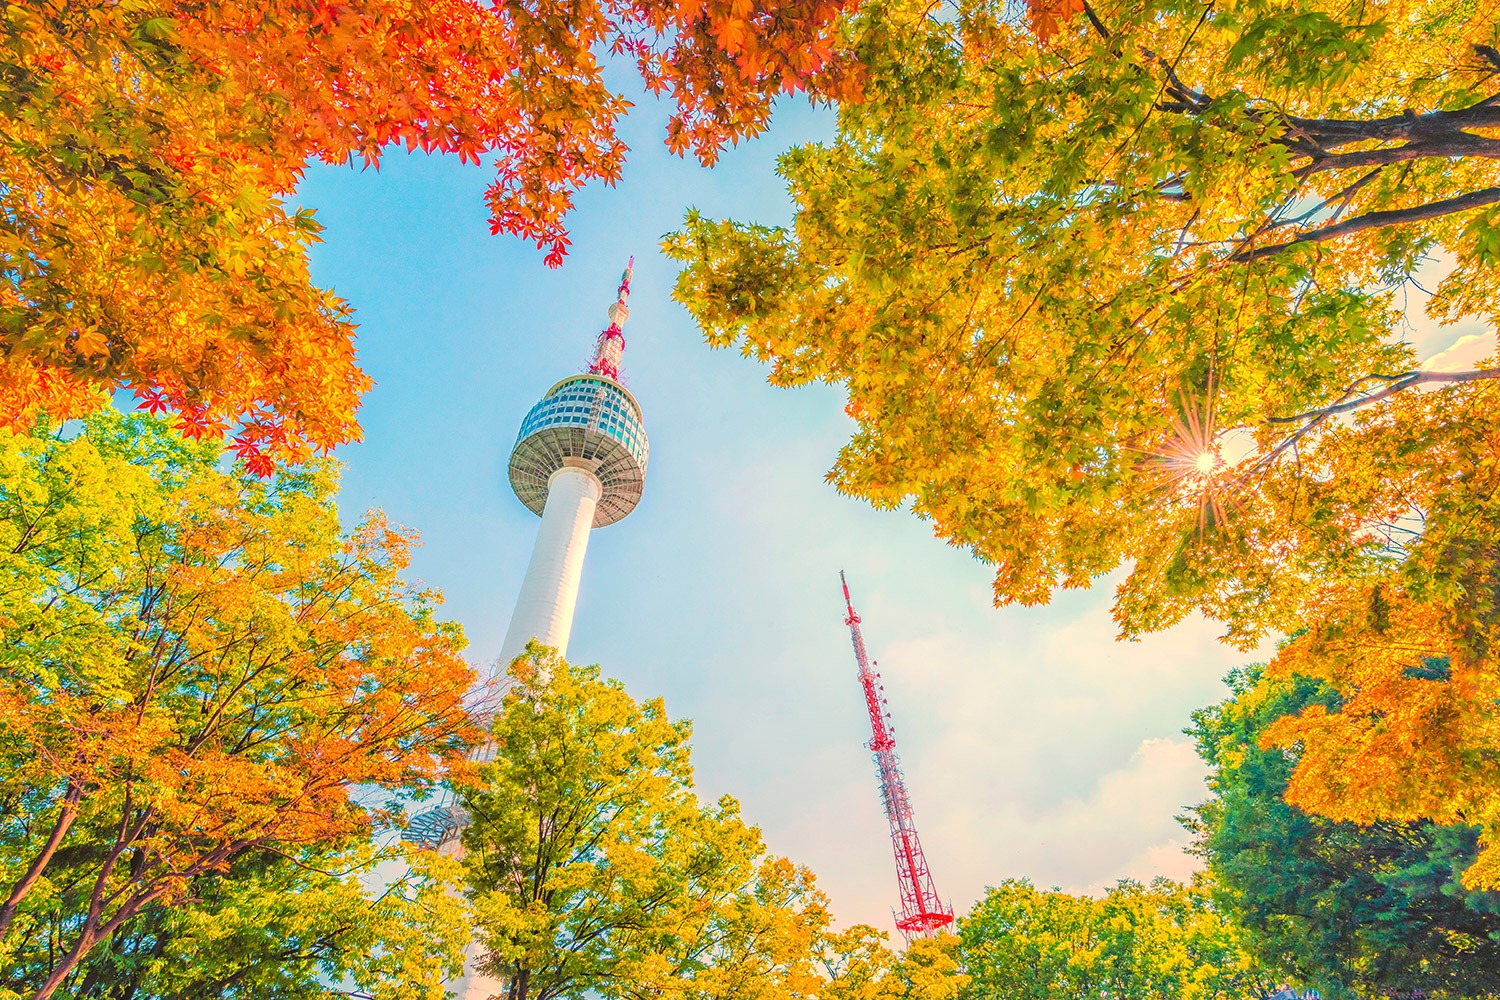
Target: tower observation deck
<point>579,462</point>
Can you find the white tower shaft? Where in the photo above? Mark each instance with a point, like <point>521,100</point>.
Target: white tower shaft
<point>549,593</point>
<point>475,985</point>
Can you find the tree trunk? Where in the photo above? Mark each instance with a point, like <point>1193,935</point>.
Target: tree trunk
<point>92,933</point>
<point>520,984</point>
<point>86,940</point>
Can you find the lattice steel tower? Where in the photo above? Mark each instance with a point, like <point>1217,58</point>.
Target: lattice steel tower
<point>922,913</point>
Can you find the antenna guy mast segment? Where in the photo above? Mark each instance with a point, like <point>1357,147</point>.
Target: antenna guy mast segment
<point>922,913</point>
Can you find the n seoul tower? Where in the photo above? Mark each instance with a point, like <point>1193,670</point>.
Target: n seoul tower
<point>579,462</point>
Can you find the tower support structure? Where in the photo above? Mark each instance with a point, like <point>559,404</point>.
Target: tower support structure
<point>922,913</point>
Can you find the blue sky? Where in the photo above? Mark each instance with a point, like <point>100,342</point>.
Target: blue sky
<point>1034,744</point>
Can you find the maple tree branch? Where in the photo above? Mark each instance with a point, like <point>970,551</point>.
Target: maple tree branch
<point>1439,134</point>
<point>1098,25</point>
<point>271,848</point>
<point>1408,126</point>
<point>1458,144</point>
<point>1405,380</point>
<point>1350,400</point>
<point>1186,98</point>
<point>1375,220</point>
<point>44,857</point>
<point>1316,137</point>
<point>1347,195</point>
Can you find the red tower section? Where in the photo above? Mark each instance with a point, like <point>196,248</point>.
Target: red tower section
<point>611,344</point>
<point>922,913</point>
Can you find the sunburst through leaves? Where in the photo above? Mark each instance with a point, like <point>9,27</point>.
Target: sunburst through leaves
<point>1189,465</point>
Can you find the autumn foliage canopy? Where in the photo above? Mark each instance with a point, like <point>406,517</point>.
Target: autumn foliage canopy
<point>1118,288</point>
<point>148,145</point>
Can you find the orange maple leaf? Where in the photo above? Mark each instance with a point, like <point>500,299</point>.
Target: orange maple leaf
<point>1048,16</point>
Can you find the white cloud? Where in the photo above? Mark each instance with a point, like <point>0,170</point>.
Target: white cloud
<point>1464,353</point>
<point>1168,858</point>
<point>1123,826</point>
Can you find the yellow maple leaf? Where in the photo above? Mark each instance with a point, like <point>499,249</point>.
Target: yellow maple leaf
<point>90,343</point>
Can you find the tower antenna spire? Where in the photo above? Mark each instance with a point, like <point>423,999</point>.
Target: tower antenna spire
<point>610,347</point>
<point>922,913</point>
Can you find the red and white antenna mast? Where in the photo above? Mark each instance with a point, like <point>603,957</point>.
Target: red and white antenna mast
<point>922,913</point>
<point>611,344</point>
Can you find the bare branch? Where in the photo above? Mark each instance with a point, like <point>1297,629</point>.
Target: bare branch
<point>1349,400</point>
<point>1396,383</point>
<point>1375,220</point>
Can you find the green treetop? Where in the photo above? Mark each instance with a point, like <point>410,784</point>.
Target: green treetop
<point>1162,941</point>
<point>1367,910</point>
<point>596,871</point>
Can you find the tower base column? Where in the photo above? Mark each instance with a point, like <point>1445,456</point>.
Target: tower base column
<point>549,593</point>
<point>544,612</point>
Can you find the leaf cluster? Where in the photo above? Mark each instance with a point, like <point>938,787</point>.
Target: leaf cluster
<point>1053,275</point>
<point>1119,293</point>
<point>858,964</point>
<point>1162,940</point>
<point>148,145</point>
<point>285,928</point>
<point>595,870</point>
